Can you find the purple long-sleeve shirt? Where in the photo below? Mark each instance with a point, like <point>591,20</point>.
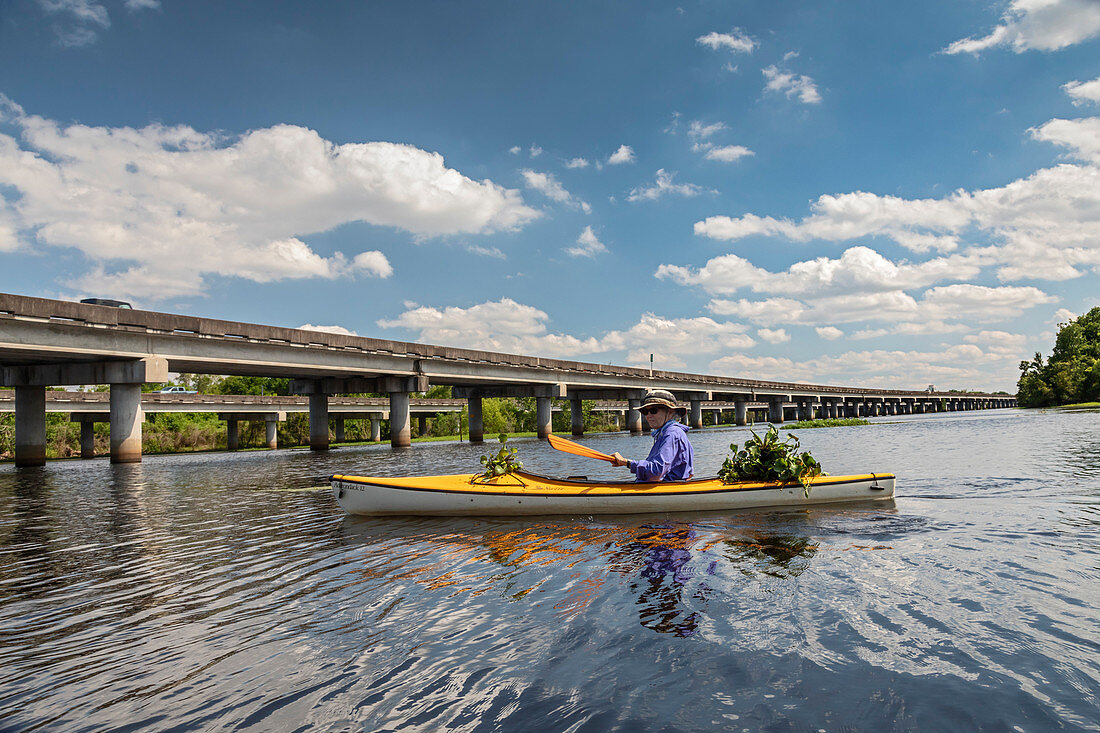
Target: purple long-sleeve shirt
<point>670,459</point>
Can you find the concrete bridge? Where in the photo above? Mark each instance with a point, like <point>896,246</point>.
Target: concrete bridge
<point>88,408</point>
<point>46,342</point>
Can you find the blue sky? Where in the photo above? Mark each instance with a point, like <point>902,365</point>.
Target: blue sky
<point>855,192</point>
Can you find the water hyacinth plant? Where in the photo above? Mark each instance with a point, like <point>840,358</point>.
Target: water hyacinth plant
<point>503,463</point>
<point>770,459</point>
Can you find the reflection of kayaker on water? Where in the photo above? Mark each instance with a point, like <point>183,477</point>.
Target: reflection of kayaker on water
<point>667,552</point>
<point>672,457</point>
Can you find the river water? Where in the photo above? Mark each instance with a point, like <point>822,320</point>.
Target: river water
<point>226,591</point>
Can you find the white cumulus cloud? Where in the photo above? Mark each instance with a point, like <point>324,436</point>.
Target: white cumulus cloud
<point>736,41</point>
<point>937,310</point>
<point>512,327</point>
<point>154,210</point>
<point>1083,91</point>
<point>503,326</point>
<point>549,186</point>
<point>857,269</point>
<point>663,186</point>
<point>1045,226</point>
<point>773,336</point>
<point>792,85</point>
<point>588,245</point>
<point>327,329</point>
<point>1043,25</point>
<point>959,366</point>
<point>625,154</point>
<point>1081,136</point>
<point>698,130</point>
<point>728,153</point>
<point>79,22</point>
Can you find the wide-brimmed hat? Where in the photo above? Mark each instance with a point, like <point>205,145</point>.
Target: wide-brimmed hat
<point>661,398</point>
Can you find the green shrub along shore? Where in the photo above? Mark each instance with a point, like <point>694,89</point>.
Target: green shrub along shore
<point>830,422</point>
<point>1072,374</point>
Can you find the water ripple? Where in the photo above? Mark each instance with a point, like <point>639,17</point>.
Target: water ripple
<point>223,591</point>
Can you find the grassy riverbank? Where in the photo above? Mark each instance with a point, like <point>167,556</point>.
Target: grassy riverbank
<point>832,422</point>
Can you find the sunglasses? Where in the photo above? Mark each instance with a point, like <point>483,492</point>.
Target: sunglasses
<point>650,410</point>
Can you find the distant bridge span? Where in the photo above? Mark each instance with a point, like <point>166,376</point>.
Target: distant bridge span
<point>53,342</point>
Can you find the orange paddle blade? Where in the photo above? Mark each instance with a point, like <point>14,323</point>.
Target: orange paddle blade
<point>577,449</point>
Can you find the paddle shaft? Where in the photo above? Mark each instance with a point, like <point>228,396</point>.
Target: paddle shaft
<point>568,446</point>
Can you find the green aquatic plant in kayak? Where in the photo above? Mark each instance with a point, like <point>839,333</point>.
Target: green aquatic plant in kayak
<point>770,459</point>
<point>504,462</point>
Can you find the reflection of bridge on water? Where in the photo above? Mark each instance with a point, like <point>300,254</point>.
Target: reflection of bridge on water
<point>52,343</point>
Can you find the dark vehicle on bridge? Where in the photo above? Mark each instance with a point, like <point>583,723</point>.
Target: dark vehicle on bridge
<point>107,302</point>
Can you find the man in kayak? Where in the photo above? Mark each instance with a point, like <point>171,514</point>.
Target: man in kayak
<point>671,458</point>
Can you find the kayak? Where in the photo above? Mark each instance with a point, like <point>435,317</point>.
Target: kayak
<point>531,494</point>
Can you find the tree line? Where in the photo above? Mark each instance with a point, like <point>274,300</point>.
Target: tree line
<point>1072,373</point>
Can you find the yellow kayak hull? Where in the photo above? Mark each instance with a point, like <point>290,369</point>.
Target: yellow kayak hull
<point>530,494</point>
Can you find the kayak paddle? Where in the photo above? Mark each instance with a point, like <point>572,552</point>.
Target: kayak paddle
<point>577,449</point>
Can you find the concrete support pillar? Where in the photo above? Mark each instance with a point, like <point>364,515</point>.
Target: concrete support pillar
<point>477,428</point>
<point>576,416</point>
<point>376,429</point>
<point>775,411</point>
<point>634,418</point>
<point>232,435</point>
<point>338,429</point>
<point>401,425</point>
<point>696,415</point>
<point>740,412</point>
<point>271,433</point>
<point>87,439</point>
<point>318,421</point>
<point>30,426</point>
<point>422,425</point>
<point>126,419</point>
<point>717,418</point>
<point>543,417</point>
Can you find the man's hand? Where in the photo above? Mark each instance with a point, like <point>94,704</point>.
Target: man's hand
<point>618,460</point>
